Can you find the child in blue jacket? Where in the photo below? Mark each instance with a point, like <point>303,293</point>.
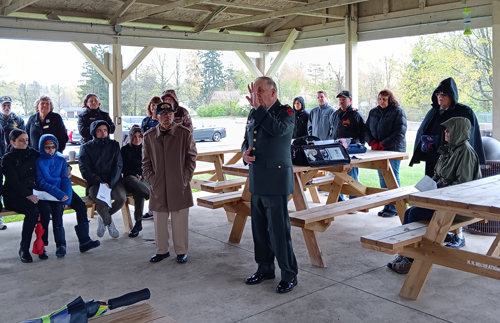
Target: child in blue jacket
<point>52,177</point>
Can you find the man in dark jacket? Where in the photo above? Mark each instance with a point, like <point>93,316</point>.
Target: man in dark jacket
<point>266,148</point>
<point>93,112</point>
<point>301,118</point>
<point>101,163</point>
<point>444,106</point>
<point>8,119</point>
<point>348,123</point>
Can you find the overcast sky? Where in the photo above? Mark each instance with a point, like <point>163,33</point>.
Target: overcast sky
<point>60,63</point>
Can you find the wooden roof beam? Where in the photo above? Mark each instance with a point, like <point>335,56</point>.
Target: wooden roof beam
<point>248,63</point>
<point>121,11</point>
<point>18,5</point>
<point>283,13</point>
<point>136,61</point>
<point>96,63</point>
<point>285,49</point>
<point>203,24</point>
<point>277,24</point>
<point>269,9</point>
<point>156,10</point>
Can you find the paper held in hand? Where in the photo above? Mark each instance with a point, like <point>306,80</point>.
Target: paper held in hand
<point>104,194</point>
<point>44,196</point>
<point>426,184</point>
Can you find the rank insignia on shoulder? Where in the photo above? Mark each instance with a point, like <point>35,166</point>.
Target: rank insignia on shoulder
<point>289,111</point>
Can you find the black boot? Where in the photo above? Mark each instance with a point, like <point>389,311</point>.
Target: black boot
<point>25,256</point>
<point>136,229</point>
<point>82,232</point>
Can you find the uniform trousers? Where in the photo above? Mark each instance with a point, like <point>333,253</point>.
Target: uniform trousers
<point>118,196</point>
<point>271,235</point>
<point>140,191</point>
<point>180,221</point>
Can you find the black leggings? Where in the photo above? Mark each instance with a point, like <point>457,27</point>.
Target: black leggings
<point>31,211</point>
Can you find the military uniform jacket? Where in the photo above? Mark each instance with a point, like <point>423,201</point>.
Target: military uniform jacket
<point>269,135</point>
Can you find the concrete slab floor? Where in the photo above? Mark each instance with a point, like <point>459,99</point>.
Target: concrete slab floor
<point>355,287</point>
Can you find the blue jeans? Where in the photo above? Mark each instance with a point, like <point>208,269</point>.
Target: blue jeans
<point>395,168</point>
<point>354,173</point>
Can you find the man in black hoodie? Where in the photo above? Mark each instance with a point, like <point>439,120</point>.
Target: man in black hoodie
<point>444,106</point>
<point>101,163</point>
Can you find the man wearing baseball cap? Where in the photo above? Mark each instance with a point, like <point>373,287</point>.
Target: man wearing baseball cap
<point>8,119</point>
<point>181,114</point>
<point>348,123</point>
<point>168,162</point>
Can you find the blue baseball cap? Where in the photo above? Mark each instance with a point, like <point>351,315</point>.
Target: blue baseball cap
<point>5,99</point>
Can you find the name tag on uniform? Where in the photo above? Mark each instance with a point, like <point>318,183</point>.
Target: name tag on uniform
<point>92,118</point>
<point>45,127</point>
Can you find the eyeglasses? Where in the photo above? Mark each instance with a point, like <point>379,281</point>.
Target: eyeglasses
<point>441,94</point>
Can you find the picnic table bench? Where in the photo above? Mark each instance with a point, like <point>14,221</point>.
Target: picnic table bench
<point>479,200</point>
<point>239,202</point>
<point>318,219</point>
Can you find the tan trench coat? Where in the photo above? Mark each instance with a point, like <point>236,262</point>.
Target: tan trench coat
<point>168,163</point>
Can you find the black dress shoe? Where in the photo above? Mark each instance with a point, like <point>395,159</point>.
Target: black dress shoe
<point>285,287</point>
<point>159,257</point>
<point>136,229</point>
<point>181,258</point>
<point>44,255</point>
<point>258,278</point>
<point>147,216</point>
<point>25,256</point>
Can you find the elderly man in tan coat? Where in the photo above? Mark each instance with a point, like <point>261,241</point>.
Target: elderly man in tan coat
<point>168,163</point>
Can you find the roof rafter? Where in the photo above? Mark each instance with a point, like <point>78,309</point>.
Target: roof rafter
<point>283,13</point>
<point>156,10</point>
<point>269,9</point>
<point>277,24</point>
<point>203,24</point>
<point>18,5</point>
<point>121,11</point>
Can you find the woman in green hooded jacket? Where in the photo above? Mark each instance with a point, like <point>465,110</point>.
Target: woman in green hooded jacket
<point>458,163</point>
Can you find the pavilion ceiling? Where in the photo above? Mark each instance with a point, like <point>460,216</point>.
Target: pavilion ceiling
<point>231,24</point>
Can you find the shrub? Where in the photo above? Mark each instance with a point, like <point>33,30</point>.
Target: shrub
<point>223,109</point>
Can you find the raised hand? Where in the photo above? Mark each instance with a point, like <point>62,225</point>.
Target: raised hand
<point>253,99</point>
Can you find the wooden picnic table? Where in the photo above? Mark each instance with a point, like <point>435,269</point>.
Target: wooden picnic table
<point>476,199</point>
<point>215,155</point>
<point>341,183</point>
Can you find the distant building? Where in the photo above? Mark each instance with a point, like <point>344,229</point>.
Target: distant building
<point>71,112</point>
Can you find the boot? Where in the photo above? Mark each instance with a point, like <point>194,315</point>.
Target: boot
<point>82,232</point>
<point>136,229</point>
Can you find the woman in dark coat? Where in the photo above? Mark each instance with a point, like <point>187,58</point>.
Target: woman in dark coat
<point>19,169</point>
<point>134,182</point>
<point>46,121</point>
<point>301,117</point>
<point>386,130</point>
<point>151,120</point>
<point>93,112</point>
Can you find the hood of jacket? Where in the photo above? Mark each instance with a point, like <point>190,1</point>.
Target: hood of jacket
<point>449,87</point>
<point>41,143</point>
<point>301,100</point>
<point>459,129</point>
<point>96,124</point>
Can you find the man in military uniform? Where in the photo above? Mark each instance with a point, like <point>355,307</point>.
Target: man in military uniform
<point>266,149</point>
<point>8,119</point>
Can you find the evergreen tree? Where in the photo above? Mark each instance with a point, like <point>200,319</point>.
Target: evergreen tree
<point>92,81</point>
<point>212,74</point>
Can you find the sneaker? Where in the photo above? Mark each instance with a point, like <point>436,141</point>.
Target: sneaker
<point>456,243</point>
<point>403,267</point>
<point>2,226</point>
<point>391,264</point>
<point>61,251</point>
<point>100,227</point>
<point>449,237</point>
<point>148,216</point>
<point>112,231</point>
<point>389,214</point>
